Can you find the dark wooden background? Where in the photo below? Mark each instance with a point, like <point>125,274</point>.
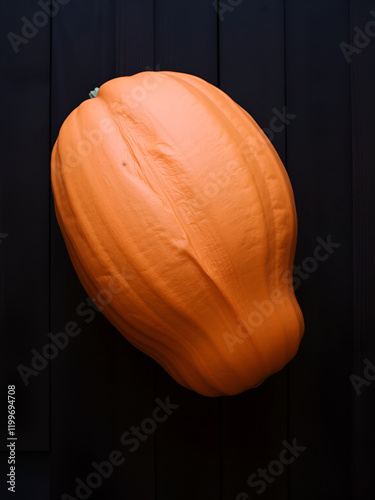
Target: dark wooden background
<point>265,54</point>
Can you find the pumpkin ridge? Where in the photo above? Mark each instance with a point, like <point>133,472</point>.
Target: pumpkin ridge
<point>271,150</point>
<point>88,224</point>
<point>236,132</point>
<point>277,160</point>
<point>271,241</point>
<point>225,261</point>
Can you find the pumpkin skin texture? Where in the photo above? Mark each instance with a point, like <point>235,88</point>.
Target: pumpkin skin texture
<point>173,203</point>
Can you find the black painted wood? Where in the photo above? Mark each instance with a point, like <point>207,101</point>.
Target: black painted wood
<point>265,55</point>
<point>24,225</point>
<point>134,36</point>
<point>362,21</point>
<point>186,37</point>
<point>252,72</point>
<point>320,168</point>
<point>188,446</point>
<point>101,384</point>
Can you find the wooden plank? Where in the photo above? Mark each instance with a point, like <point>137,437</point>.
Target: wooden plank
<point>134,36</point>
<point>252,73</point>
<point>24,225</point>
<point>101,384</point>
<point>319,164</point>
<point>187,446</point>
<point>185,37</point>
<point>362,22</point>
<point>252,64</point>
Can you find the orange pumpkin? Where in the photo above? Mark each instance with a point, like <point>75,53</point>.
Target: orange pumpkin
<point>179,218</point>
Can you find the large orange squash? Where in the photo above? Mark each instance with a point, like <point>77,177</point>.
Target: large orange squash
<point>178,214</point>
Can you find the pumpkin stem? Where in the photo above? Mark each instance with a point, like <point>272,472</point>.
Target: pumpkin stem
<point>94,93</point>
